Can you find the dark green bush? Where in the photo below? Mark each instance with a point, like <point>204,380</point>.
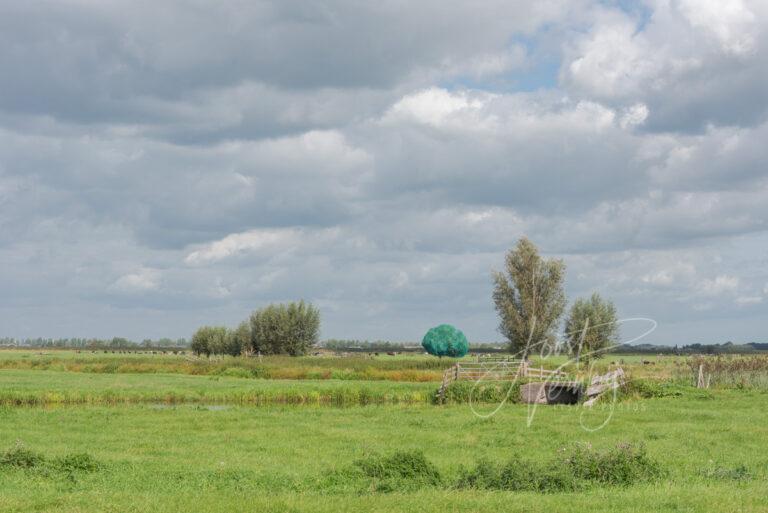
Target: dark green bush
<point>401,470</point>
<point>518,475</point>
<point>579,468</point>
<point>485,476</point>
<point>79,462</point>
<point>21,457</point>
<point>623,465</point>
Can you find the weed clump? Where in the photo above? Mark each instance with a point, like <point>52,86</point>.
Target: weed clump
<point>402,470</point>
<point>575,468</point>
<point>78,462</point>
<point>738,473</point>
<point>621,466</point>
<point>490,392</point>
<point>20,457</point>
<point>578,468</point>
<point>517,475</point>
<point>652,389</point>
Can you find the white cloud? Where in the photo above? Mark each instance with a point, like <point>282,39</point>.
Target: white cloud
<point>690,62</point>
<point>614,59</point>
<point>730,21</point>
<point>247,242</point>
<point>722,284</point>
<point>634,115</point>
<point>749,300</point>
<point>400,280</point>
<point>437,107</point>
<point>142,280</point>
<point>272,243</point>
<point>678,274</point>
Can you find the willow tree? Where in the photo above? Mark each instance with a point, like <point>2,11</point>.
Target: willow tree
<point>591,327</point>
<point>529,298</point>
<point>209,340</point>
<point>290,328</point>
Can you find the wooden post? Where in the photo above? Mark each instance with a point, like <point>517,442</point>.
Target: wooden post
<point>700,380</point>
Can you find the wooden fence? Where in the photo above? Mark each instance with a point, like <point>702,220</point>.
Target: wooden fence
<point>502,369</point>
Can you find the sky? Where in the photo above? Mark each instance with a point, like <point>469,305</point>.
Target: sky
<point>171,164</point>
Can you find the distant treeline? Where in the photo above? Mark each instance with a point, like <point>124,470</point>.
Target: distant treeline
<point>353,345</point>
<point>92,343</point>
<point>726,348</point>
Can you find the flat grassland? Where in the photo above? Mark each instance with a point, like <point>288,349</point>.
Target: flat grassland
<point>150,440</point>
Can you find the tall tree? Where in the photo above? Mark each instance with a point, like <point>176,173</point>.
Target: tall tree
<point>591,326</point>
<point>239,339</point>
<point>285,328</point>
<point>529,298</point>
<point>209,340</point>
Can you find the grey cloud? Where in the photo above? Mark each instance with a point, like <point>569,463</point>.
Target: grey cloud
<point>96,62</point>
<point>161,172</point>
<point>520,151</point>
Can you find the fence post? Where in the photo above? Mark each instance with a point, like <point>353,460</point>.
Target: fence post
<point>700,380</point>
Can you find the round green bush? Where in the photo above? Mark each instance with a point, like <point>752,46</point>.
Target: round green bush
<point>445,340</point>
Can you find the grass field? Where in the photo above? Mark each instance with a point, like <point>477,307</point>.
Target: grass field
<point>217,452</point>
<point>413,368</point>
<point>407,367</point>
<point>24,387</point>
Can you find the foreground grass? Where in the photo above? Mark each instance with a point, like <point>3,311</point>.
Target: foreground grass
<point>194,458</point>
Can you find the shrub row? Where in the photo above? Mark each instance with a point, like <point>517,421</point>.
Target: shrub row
<point>576,468</point>
<point>20,457</point>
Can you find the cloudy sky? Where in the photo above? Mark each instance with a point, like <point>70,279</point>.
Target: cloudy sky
<point>169,164</point>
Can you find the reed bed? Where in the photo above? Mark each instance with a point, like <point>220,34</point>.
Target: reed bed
<point>41,388</point>
<point>726,371</point>
<point>339,396</point>
<point>414,370</point>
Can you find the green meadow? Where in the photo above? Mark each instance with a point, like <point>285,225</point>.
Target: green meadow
<point>78,441</point>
